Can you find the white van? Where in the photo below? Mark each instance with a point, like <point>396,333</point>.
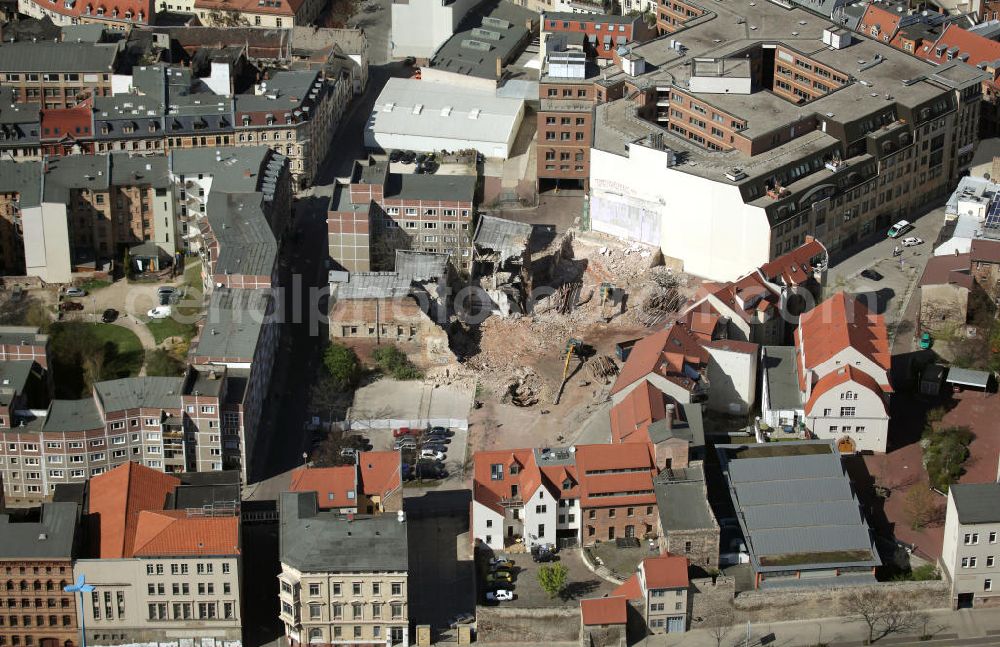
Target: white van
<point>899,229</point>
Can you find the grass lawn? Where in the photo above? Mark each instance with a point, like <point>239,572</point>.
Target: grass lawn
<point>94,284</point>
<point>828,557</point>
<point>85,352</point>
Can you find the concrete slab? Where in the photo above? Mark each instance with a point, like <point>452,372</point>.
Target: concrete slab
<point>411,401</point>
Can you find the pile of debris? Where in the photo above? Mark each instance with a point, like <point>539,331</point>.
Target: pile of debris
<point>661,297</point>
<point>603,368</point>
<point>525,389</point>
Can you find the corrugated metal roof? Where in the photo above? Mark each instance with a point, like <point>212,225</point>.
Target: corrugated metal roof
<point>968,377</point>
<point>784,468</point>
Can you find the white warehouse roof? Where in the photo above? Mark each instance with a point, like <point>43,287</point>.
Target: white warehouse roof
<point>425,109</point>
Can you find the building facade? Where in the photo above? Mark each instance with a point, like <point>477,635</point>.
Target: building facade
<point>970,549</point>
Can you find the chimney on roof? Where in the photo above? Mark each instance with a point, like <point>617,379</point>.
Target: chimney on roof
<point>669,418</point>
<point>499,67</point>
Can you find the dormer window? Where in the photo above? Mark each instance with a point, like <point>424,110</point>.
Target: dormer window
<point>514,468</point>
<point>246,120</point>
<point>567,484</point>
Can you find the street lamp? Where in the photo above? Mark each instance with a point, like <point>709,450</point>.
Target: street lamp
<point>81,587</point>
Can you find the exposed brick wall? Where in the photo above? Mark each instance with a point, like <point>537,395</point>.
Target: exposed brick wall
<point>644,520</point>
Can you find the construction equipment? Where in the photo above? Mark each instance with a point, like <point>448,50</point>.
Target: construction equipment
<point>573,346</point>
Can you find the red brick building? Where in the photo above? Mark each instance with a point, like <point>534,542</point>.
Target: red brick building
<point>565,132</point>
<point>604,33</point>
<point>68,131</point>
<point>672,14</point>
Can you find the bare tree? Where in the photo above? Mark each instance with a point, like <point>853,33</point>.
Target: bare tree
<point>720,625</point>
<point>883,612</point>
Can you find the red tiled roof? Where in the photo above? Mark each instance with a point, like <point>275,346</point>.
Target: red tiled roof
<point>72,123</point>
<point>630,417</point>
<point>886,21</point>
<point>279,8</point>
<point>489,492</point>
<point>703,323</point>
<point>979,48</point>
<point>636,485</point>
<point>642,359</point>
<point>630,589</point>
<point>984,251</point>
<point>794,267</point>
<point>80,9</point>
<point>380,472</point>
<point>666,572</point>
<point>842,376</point>
<point>591,458</point>
<point>604,611</point>
<point>664,353</point>
<point>116,499</point>
<point>838,323</point>
<point>336,487</point>
<point>173,533</point>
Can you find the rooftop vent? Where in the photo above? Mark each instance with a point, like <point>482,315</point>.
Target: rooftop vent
<point>735,174</point>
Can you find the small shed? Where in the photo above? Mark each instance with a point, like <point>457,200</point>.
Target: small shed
<point>932,379</point>
<point>964,378</point>
<point>148,257</point>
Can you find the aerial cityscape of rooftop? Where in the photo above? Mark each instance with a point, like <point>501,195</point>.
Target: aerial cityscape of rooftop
<point>562,323</point>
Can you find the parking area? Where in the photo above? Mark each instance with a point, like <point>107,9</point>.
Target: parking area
<point>581,582</point>
<point>455,459</point>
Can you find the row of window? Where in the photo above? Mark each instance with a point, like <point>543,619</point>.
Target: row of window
<point>413,211</point>
<point>37,621</point>
<point>316,634</point>
<point>357,611</point>
<point>972,538</point>
<point>201,568</point>
<point>186,611</point>
<point>51,76</point>
<point>564,136</point>
<point>973,562</point>
<point>357,588</point>
<point>565,121</point>
<point>184,588</point>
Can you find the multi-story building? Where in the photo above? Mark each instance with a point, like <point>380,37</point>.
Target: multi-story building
<point>843,361</point>
<point>603,33</point>
<point>68,211</point>
<point>36,563</point>
<point>659,591</point>
<point>165,558</point>
<point>790,139</point>
<point>192,423</point>
<point>121,16</point>
<point>67,131</point>
<point>380,212</point>
<point>672,15</point>
<point>57,75</point>
<point>283,14</point>
<point>344,577</point>
<point>420,27</point>
<point>295,113</point>
<point>565,128</point>
<point>580,494</point>
<point>969,554</point>
<point>19,127</point>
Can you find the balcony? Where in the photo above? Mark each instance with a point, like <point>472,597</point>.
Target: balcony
<point>512,501</point>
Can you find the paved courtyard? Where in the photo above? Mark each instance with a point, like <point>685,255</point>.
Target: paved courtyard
<point>581,582</point>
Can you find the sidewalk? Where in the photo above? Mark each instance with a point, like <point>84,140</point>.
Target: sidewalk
<point>968,626</point>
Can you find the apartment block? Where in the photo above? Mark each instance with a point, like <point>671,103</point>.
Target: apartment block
<point>57,75</point>
<point>380,212</point>
<point>838,153</point>
<point>36,561</point>
<point>186,424</point>
<point>67,131</point>
<point>344,577</point>
<point>564,496</point>
<point>165,558</point>
<point>671,15</point>
<point>20,126</point>
<point>970,550</point>
<point>604,33</point>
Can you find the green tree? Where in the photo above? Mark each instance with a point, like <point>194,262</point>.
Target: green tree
<point>343,365</point>
<point>394,362</point>
<point>160,363</point>
<point>552,578</point>
<point>945,450</point>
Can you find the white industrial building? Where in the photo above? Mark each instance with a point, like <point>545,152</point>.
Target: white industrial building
<point>419,115</point>
<point>420,27</point>
<point>638,194</point>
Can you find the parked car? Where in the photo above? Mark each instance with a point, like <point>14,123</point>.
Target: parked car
<point>871,275</point>
<point>441,431</point>
<point>432,453</point>
<point>394,155</point>
<point>431,471</point>
<point>499,595</point>
<point>899,229</point>
<point>436,440</point>
<point>926,341</point>
<point>430,167</point>
<point>402,431</point>
<point>462,619</point>
<point>499,577</point>
<point>70,306</point>
<point>109,316</point>
<point>501,562</point>
<point>409,61</point>
<point>406,442</point>
<point>407,157</point>
<point>159,312</point>
<point>75,292</point>
<point>544,553</point>
<point>348,451</point>
<point>910,241</point>
<point>421,158</point>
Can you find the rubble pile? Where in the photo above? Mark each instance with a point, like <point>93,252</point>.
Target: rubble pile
<point>660,297</point>
<point>603,368</point>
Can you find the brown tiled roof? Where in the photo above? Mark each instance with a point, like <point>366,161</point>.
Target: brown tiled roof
<point>795,266</point>
<point>335,487</point>
<point>173,533</point>
<point>950,268</point>
<point>985,251</point>
<point>604,611</point>
<point>380,472</point>
<point>839,322</point>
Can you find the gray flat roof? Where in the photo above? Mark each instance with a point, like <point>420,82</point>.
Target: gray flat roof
<point>50,538</point>
<point>26,56</point>
<point>246,242</point>
<point>475,47</point>
<point>968,377</point>
<point>24,178</point>
<point>325,542</point>
<point>239,170</point>
<point>421,266</point>
<point>73,415</point>
<point>782,378</point>
<point>689,426</point>
<point>681,499</point>
<point>976,502</point>
<point>233,324</point>
<point>797,509</point>
<point>569,16</point>
<point>406,186</point>
<point>22,335</point>
<point>374,285</point>
<point>140,392</point>
<point>13,377</point>
<point>508,237</point>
